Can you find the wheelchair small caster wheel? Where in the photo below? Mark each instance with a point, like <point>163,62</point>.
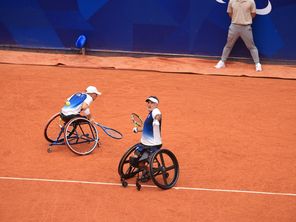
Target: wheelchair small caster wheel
<point>49,150</point>
<point>138,186</point>
<point>124,183</point>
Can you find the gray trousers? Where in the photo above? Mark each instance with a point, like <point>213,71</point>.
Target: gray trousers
<point>245,32</point>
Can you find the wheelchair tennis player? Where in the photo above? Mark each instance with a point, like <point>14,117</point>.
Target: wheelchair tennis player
<point>151,135</point>
<point>78,104</point>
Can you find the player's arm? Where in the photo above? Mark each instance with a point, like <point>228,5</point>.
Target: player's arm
<point>157,119</point>
<point>229,9</point>
<point>84,106</point>
<point>253,9</point>
<point>85,109</point>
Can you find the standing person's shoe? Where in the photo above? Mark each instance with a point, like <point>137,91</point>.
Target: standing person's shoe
<point>258,67</point>
<point>220,65</point>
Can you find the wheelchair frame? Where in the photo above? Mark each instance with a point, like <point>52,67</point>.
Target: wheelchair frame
<point>161,167</point>
<point>79,134</point>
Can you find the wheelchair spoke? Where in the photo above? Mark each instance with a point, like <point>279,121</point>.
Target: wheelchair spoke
<point>162,160</point>
<point>128,171</point>
<point>126,161</point>
<point>164,177</point>
<point>170,168</point>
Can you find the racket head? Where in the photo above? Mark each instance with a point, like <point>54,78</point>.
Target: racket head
<point>113,133</point>
<point>137,121</point>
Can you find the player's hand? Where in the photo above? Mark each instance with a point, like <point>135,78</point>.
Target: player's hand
<point>135,129</point>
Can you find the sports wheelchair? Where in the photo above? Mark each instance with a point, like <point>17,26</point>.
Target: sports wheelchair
<point>79,134</point>
<point>160,166</point>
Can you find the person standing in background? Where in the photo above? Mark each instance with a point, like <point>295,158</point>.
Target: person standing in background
<point>241,13</point>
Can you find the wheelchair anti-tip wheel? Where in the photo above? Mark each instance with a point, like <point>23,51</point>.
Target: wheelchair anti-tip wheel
<point>164,169</point>
<point>81,136</point>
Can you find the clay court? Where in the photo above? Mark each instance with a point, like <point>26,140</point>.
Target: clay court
<point>233,133</point>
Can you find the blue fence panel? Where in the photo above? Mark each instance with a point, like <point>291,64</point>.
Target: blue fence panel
<point>195,27</point>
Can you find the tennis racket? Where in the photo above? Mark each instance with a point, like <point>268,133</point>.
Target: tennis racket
<point>137,121</point>
<point>110,132</point>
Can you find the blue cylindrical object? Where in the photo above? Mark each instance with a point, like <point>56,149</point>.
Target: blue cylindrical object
<point>80,42</point>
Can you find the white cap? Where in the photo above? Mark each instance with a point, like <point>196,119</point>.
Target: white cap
<point>153,99</point>
<point>92,89</point>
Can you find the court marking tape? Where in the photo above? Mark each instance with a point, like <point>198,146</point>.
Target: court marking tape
<point>151,186</point>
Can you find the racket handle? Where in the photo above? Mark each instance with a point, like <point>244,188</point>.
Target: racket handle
<point>135,129</point>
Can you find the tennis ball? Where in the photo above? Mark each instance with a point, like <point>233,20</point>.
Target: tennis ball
<point>67,103</point>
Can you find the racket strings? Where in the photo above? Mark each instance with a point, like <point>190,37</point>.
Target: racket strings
<point>136,120</point>
<point>113,133</point>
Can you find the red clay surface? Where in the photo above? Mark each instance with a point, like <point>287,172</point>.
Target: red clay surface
<point>227,133</point>
<point>149,63</point>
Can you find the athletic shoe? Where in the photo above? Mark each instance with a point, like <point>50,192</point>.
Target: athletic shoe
<point>258,67</point>
<point>220,65</point>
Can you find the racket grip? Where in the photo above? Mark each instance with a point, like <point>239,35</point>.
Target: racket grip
<point>135,129</point>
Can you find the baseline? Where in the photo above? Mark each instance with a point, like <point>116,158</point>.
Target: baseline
<point>151,186</point>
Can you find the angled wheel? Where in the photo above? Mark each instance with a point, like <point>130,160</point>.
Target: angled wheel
<point>53,129</point>
<point>164,169</point>
<point>81,136</point>
<point>125,169</point>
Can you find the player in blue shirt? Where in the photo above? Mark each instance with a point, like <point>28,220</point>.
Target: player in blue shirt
<point>151,135</point>
<point>151,130</point>
<point>78,104</point>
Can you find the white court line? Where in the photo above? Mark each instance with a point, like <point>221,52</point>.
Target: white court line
<point>176,188</point>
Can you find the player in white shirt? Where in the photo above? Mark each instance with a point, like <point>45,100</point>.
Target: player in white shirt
<point>151,136</point>
<point>78,104</point>
<point>151,130</point>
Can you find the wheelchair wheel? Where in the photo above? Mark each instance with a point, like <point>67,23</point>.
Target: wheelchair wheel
<point>81,136</point>
<point>53,129</point>
<point>125,169</point>
<point>164,169</point>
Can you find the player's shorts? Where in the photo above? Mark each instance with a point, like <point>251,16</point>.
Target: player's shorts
<point>68,118</point>
<point>141,148</point>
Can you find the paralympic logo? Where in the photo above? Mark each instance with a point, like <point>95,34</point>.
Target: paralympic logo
<point>263,11</point>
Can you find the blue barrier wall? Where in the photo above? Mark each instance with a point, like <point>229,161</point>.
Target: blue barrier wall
<point>197,27</point>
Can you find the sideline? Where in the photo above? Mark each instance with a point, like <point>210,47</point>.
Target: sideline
<point>176,188</point>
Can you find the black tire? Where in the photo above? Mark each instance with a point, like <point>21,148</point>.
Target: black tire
<point>82,136</point>
<point>125,169</point>
<point>124,183</point>
<point>138,185</point>
<point>52,129</point>
<point>164,169</point>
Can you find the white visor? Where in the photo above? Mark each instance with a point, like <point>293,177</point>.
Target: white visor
<point>152,99</point>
